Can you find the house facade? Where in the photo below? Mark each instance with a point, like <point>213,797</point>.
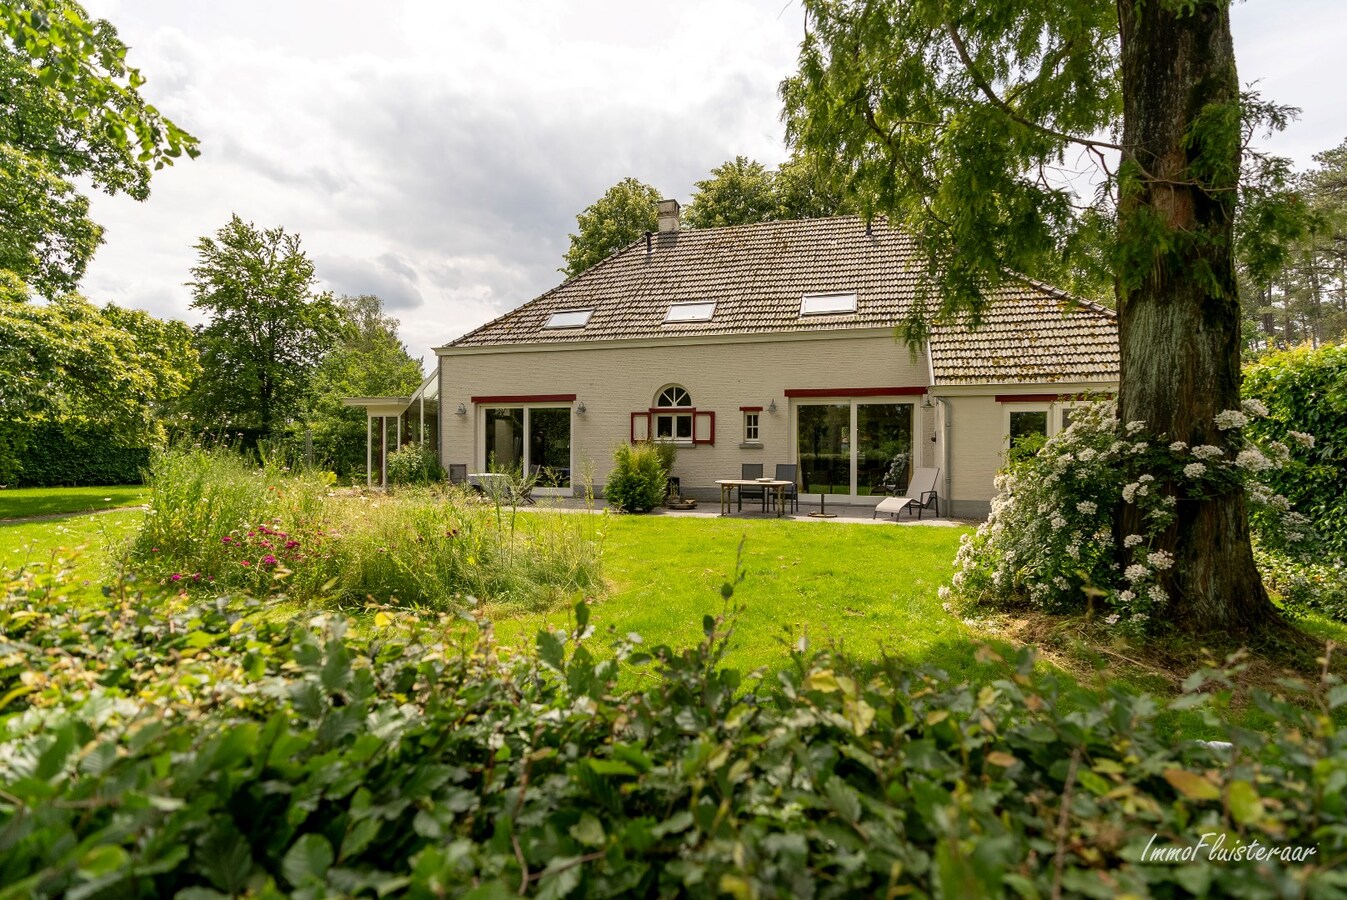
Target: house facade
<point>774,344</point>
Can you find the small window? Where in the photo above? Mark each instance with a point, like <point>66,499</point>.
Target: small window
<point>571,318</point>
<point>690,312</point>
<point>751,427</point>
<point>827,304</point>
<point>673,395</point>
<point>1028,431</point>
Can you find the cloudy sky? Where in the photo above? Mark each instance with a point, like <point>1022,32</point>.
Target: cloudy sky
<point>435,152</point>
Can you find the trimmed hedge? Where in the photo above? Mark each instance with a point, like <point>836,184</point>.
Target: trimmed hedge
<point>55,455</point>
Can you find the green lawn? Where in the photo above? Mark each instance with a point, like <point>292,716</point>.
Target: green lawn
<point>21,502</point>
<point>866,588</point>
<point>85,547</point>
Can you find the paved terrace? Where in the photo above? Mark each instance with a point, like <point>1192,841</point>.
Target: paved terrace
<point>710,509</point>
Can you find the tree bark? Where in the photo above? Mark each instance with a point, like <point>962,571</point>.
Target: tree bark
<point>1179,315</point>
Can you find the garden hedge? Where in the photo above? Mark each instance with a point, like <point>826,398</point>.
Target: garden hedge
<point>57,455</point>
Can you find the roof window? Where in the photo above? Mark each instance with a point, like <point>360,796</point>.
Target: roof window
<point>690,312</point>
<point>827,304</point>
<point>569,318</point>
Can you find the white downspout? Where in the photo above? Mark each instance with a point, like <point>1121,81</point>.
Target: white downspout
<point>369,449</point>
<point>948,410</point>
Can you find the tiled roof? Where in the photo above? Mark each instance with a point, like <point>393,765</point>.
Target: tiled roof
<point>757,274</point>
<point>1029,333</point>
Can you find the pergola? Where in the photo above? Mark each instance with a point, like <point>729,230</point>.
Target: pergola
<point>401,420</point>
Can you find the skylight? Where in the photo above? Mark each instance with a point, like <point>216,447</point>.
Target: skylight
<point>690,312</point>
<point>570,318</point>
<point>822,304</point>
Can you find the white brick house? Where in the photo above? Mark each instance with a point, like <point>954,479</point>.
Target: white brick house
<point>769,343</point>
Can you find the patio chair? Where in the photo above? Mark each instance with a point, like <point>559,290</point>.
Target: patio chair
<point>458,473</point>
<point>789,472</point>
<point>748,472</point>
<point>921,494</point>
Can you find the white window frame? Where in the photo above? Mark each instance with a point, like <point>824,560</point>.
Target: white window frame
<point>480,451</point>
<point>852,437</point>
<point>567,318</point>
<point>690,312</point>
<point>752,426</point>
<point>837,303</point>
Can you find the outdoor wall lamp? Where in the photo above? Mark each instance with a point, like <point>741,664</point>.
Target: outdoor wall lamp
<point>771,407</point>
<point>926,402</point>
<point>580,407</point>
<point>461,411</point>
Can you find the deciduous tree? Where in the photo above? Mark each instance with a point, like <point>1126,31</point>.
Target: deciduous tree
<point>267,331</point>
<point>72,109</point>
<point>957,119</point>
<point>626,211</point>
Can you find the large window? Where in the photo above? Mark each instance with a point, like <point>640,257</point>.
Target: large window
<point>676,424</point>
<point>854,447</point>
<point>532,439</point>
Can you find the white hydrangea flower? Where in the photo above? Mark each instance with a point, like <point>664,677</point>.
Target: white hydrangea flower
<point>1129,492</point>
<point>1301,438</point>
<point>1207,451</point>
<point>1136,426</point>
<point>1194,470</point>
<point>1126,597</point>
<point>1280,452</point>
<point>1146,479</point>
<point>1252,460</point>
<point>1112,620</point>
<point>1178,447</point>
<point>1230,418</point>
<point>1058,522</point>
<point>1170,500</point>
<point>1136,572</point>
<point>1088,507</point>
<point>1157,594</point>
<point>1254,407</point>
<point>1143,489</point>
<point>1086,454</point>
<point>943,592</point>
<point>1140,447</point>
<point>1160,559</point>
<point>1132,540</point>
<point>1073,551</point>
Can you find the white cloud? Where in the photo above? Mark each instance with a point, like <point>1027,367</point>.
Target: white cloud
<point>437,153</point>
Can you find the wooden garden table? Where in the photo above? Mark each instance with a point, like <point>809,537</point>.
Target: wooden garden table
<point>727,486</point>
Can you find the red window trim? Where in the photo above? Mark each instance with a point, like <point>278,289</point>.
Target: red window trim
<point>858,392</point>
<point>525,398</point>
<point>650,413</point>
<point>750,409</point>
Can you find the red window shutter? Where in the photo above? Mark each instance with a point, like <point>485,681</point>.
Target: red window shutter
<point>640,426</point>
<point>704,427</point>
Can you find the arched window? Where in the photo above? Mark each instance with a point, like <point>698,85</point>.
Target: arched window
<point>673,426</point>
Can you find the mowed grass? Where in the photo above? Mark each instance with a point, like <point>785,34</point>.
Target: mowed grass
<point>19,503</point>
<point>867,589</point>
<point>86,549</point>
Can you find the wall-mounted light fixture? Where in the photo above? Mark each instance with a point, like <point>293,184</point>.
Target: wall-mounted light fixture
<point>580,407</point>
<point>926,402</point>
<point>771,407</point>
<point>461,411</point>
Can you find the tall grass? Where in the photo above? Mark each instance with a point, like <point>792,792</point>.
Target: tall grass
<point>216,518</point>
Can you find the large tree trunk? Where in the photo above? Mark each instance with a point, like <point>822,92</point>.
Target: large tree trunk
<point>1179,316</point>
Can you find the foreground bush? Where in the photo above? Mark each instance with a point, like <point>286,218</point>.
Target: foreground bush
<point>414,464</point>
<point>203,754</point>
<point>218,521</point>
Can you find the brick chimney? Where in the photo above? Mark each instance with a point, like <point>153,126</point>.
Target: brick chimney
<point>668,215</point>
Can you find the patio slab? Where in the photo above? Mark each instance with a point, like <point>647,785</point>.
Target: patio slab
<point>840,512</point>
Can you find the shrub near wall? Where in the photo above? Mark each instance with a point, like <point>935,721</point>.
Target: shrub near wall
<point>56,455</point>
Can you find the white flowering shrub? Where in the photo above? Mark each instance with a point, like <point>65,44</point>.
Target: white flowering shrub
<point>1049,541</point>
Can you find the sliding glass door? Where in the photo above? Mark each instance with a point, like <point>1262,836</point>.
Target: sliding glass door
<point>529,439</point>
<point>857,448</point>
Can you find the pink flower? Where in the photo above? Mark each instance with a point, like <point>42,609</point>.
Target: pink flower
<point>226,540</point>
<point>244,562</point>
<point>154,549</point>
<point>290,545</point>
<point>268,560</point>
<point>175,577</point>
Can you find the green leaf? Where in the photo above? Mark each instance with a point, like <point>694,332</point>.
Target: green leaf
<point>1191,785</point>
<point>551,651</point>
<point>307,861</point>
<point>225,858</point>
<point>1246,806</point>
<point>588,831</point>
